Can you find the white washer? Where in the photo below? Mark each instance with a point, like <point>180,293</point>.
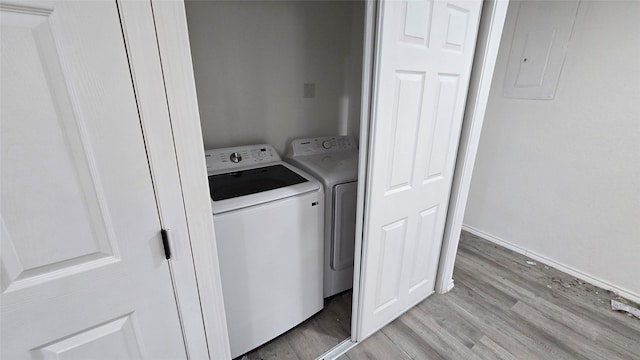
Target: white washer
<point>268,219</point>
<point>334,161</point>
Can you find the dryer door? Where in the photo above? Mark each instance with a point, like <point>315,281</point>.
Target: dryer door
<point>344,225</point>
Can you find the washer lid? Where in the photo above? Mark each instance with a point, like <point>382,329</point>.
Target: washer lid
<point>238,189</point>
<point>332,168</point>
<point>246,182</point>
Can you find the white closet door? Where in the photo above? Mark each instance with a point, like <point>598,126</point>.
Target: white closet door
<point>425,51</point>
<point>83,269</point>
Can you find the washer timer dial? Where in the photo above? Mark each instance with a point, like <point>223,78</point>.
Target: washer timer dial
<point>235,157</point>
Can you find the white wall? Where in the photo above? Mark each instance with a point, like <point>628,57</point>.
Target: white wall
<point>251,60</point>
<point>560,178</point>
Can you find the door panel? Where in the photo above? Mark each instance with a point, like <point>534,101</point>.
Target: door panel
<point>424,271</point>
<point>83,271</point>
<point>34,225</point>
<point>116,338</point>
<point>425,50</point>
<point>404,129</point>
<point>393,238</point>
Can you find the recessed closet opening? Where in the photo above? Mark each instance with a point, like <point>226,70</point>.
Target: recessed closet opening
<point>279,87</point>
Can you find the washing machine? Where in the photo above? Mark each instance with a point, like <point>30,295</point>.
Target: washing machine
<point>268,219</point>
<point>334,161</point>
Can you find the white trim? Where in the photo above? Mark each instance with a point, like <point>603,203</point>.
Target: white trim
<point>338,350</point>
<point>146,73</point>
<point>175,53</point>
<point>373,19</point>
<point>367,80</point>
<point>553,263</point>
<point>450,286</point>
<point>489,35</point>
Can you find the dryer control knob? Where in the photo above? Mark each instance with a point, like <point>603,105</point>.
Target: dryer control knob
<point>235,157</point>
<point>326,144</point>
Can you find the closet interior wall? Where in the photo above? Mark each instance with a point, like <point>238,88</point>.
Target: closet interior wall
<point>252,60</point>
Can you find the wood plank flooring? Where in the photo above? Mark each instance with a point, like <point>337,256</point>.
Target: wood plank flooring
<point>501,308</point>
<point>313,337</point>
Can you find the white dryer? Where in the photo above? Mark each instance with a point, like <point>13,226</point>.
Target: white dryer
<point>268,219</point>
<point>334,161</point>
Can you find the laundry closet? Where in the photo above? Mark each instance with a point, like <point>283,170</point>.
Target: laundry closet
<point>268,73</point>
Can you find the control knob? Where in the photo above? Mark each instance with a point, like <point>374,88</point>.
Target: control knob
<point>326,144</point>
<point>235,157</point>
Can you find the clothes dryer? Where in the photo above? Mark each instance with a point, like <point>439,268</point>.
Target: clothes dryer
<point>334,161</point>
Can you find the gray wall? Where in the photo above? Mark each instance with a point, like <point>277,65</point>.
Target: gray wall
<point>561,178</point>
<point>251,60</point>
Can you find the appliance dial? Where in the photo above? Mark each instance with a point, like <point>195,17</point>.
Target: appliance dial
<point>235,157</point>
<point>326,144</point>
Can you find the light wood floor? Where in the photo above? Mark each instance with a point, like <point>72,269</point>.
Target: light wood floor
<point>501,308</point>
<point>313,337</point>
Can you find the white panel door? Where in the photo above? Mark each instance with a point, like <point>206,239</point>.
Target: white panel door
<point>423,63</point>
<point>83,270</point>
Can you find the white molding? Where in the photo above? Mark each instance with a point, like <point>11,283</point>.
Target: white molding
<point>146,73</point>
<point>450,286</point>
<point>367,81</point>
<point>175,53</point>
<point>489,35</point>
<point>25,9</point>
<point>553,263</point>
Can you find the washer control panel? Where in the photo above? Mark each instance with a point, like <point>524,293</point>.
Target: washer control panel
<point>321,145</point>
<point>240,156</point>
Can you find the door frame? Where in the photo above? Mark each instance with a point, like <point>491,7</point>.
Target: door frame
<point>177,171</point>
<point>492,20</point>
<point>177,69</point>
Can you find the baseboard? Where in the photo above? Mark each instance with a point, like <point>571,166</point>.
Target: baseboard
<point>450,285</point>
<point>550,262</point>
